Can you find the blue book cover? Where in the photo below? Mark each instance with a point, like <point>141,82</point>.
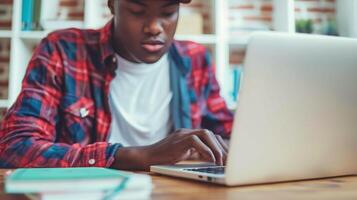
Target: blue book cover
<point>24,14</point>
<point>236,82</point>
<point>27,14</point>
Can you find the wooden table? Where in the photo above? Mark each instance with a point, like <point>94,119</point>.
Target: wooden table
<point>171,188</point>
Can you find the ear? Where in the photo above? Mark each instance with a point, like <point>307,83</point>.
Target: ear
<point>111,6</point>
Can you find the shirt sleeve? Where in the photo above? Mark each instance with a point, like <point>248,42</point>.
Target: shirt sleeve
<point>28,131</point>
<point>216,116</point>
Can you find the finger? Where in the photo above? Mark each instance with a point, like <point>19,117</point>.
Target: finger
<point>210,140</point>
<point>222,142</point>
<point>195,142</point>
<point>225,153</point>
<point>194,155</point>
<point>183,130</point>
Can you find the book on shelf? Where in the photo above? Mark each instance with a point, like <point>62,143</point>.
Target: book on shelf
<point>27,14</point>
<point>233,83</point>
<point>31,12</point>
<point>44,15</point>
<point>78,183</point>
<point>36,15</point>
<point>237,72</point>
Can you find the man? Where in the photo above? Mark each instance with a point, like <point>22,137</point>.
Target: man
<point>126,96</point>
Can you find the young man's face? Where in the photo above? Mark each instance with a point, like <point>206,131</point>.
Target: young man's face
<point>144,29</point>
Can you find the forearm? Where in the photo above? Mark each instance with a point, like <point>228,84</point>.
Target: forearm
<point>24,150</point>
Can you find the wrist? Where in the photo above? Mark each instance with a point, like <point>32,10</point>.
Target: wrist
<point>131,158</point>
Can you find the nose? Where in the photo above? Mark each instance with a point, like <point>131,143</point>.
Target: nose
<point>153,27</point>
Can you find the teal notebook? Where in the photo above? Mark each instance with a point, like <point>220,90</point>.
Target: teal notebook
<point>49,180</point>
<point>38,174</point>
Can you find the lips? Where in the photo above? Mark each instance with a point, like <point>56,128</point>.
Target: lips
<point>153,46</point>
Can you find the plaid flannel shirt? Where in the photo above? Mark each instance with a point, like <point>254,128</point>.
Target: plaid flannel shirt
<point>61,117</point>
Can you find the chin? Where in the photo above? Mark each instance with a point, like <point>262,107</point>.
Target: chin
<point>151,59</point>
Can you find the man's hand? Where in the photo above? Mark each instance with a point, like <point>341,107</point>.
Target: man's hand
<point>177,147</point>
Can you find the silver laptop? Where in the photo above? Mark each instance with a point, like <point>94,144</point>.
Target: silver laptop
<point>296,116</point>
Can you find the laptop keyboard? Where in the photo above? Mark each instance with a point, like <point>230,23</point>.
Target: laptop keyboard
<point>210,170</point>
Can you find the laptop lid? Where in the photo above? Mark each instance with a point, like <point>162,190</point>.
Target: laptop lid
<point>297,110</point>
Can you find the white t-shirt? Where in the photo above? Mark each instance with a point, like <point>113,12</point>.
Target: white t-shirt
<point>139,99</point>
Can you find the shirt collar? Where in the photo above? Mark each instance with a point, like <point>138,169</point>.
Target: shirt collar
<point>106,43</point>
<point>182,60</point>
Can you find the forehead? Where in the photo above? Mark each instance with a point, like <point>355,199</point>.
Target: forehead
<point>148,3</point>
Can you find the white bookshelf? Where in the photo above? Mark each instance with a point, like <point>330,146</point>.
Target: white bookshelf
<point>33,35</point>
<point>3,103</point>
<point>347,17</point>
<point>283,20</point>
<point>5,34</point>
<point>202,39</point>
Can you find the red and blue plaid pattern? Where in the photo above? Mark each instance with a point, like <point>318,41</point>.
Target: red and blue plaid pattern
<point>61,117</point>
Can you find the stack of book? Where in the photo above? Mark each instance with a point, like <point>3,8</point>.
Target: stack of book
<point>78,183</point>
<point>31,10</point>
<point>44,15</point>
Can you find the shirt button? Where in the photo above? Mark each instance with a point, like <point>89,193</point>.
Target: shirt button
<point>83,112</point>
<point>114,59</point>
<point>91,161</point>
